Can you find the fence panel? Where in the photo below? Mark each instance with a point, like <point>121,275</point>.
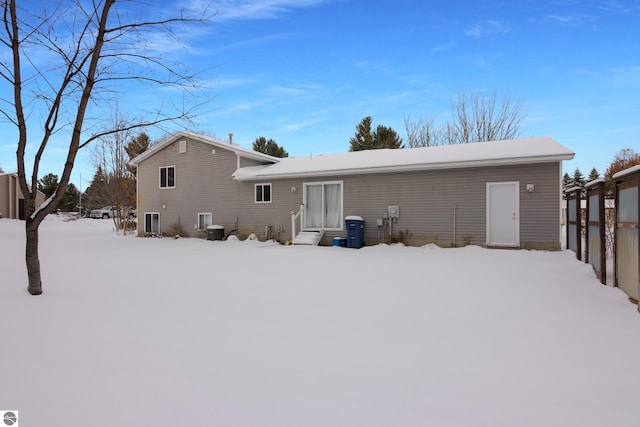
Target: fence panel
<point>627,242</point>
<point>574,222</point>
<point>595,251</point>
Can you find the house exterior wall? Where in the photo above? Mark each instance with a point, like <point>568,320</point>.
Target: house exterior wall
<point>10,196</point>
<point>7,197</point>
<point>426,200</point>
<point>204,184</point>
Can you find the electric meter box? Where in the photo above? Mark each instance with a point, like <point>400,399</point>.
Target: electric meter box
<point>394,211</point>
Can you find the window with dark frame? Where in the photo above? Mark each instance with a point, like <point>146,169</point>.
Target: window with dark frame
<point>167,177</point>
<point>263,193</point>
<point>151,222</point>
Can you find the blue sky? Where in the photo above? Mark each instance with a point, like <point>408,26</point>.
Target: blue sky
<point>305,72</point>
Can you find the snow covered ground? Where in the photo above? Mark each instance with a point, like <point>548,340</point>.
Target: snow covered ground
<point>162,332</point>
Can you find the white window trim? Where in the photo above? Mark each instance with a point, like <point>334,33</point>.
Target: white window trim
<point>145,221</point>
<point>304,197</point>
<point>210,215</point>
<point>160,177</point>
<point>255,192</point>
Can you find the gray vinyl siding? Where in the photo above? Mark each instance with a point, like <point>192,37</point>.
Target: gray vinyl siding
<point>203,184</point>
<point>426,199</point>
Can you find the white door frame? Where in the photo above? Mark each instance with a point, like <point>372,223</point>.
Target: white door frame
<point>506,215</point>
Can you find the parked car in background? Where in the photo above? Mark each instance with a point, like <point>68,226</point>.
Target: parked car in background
<point>104,213</point>
<point>109,212</point>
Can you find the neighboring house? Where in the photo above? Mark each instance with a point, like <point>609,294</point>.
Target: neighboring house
<point>12,203</point>
<point>499,193</point>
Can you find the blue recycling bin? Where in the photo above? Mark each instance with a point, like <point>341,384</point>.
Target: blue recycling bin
<point>340,242</point>
<point>355,231</point>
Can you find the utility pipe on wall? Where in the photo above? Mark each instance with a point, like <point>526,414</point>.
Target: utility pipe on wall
<point>453,242</point>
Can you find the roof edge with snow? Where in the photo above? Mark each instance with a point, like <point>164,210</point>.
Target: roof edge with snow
<point>494,153</point>
<point>236,149</point>
<point>626,172</point>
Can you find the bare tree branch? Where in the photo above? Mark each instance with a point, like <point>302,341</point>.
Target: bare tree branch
<point>62,60</point>
<point>474,118</point>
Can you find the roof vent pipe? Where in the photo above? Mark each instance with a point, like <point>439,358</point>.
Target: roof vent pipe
<point>230,138</point>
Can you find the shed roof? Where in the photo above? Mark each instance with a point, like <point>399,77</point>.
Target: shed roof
<point>493,153</point>
<point>626,172</point>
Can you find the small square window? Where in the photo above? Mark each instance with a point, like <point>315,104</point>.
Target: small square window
<point>263,193</point>
<point>204,220</point>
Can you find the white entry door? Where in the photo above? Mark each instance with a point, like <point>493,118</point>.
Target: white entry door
<point>503,214</point>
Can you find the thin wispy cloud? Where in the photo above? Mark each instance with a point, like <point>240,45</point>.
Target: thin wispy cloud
<point>480,63</point>
<point>571,20</point>
<point>254,41</point>
<point>628,76</point>
<point>230,82</point>
<point>260,9</point>
<point>289,92</point>
<point>309,121</point>
<point>442,48</point>
<point>487,28</point>
<point>614,6</point>
<point>485,60</point>
<point>585,72</point>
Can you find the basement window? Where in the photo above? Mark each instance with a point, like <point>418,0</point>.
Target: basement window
<point>151,222</point>
<point>204,220</point>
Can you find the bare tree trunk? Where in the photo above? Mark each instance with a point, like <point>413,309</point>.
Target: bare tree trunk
<point>75,35</point>
<point>32,257</point>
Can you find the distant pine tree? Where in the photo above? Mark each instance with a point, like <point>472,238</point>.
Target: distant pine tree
<point>48,184</point>
<point>578,179</point>
<point>593,175</point>
<point>567,182</point>
<point>70,200</point>
<point>262,145</point>
<point>365,139</point>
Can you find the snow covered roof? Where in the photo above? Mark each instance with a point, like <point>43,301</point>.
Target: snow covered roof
<point>626,172</point>
<point>243,152</point>
<point>493,153</point>
<point>595,182</point>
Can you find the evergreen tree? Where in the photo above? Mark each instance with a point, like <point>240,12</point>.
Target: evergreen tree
<point>135,147</point>
<point>365,139</point>
<point>70,200</point>
<point>262,145</point>
<point>578,178</point>
<point>567,182</point>
<point>48,184</point>
<point>593,175</point>
<point>98,193</point>
<point>386,137</point>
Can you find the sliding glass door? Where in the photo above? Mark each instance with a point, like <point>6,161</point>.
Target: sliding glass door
<point>323,205</point>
